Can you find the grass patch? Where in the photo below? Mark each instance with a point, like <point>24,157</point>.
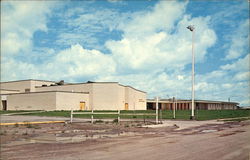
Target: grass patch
<point>166,114</point>
<point>19,111</point>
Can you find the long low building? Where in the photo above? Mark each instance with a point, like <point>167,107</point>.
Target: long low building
<point>49,95</point>
<point>180,104</point>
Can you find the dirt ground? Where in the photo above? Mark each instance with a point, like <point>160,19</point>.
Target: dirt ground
<point>128,140</point>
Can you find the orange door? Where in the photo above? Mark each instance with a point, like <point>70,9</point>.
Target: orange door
<point>126,106</point>
<point>82,105</point>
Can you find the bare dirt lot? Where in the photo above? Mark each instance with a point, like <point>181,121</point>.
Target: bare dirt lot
<point>128,140</point>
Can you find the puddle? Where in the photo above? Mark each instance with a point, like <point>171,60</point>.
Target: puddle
<point>209,130</point>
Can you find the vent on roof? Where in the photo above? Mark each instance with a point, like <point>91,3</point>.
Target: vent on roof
<point>61,82</point>
<point>90,82</point>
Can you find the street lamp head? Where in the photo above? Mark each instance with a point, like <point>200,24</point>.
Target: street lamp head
<point>191,28</point>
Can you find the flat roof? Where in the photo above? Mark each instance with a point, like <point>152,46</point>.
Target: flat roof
<point>189,100</point>
<point>45,92</point>
<point>90,83</point>
<point>27,80</point>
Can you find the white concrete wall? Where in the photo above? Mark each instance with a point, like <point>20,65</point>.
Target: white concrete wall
<point>39,83</point>
<point>121,97</point>
<point>16,85</point>
<point>9,91</point>
<point>66,101</point>
<point>32,101</point>
<point>105,96</point>
<point>84,87</point>
<point>102,96</point>
<point>23,84</point>
<point>136,100</point>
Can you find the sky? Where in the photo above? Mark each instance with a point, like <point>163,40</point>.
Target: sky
<point>143,43</point>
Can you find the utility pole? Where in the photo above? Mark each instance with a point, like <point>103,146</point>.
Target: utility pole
<point>191,28</point>
<point>156,110</point>
<point>174,107</point>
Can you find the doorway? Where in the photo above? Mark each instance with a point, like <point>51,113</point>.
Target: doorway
<point>82,106</point>
<point>4,104</point>
<point>126,106</point>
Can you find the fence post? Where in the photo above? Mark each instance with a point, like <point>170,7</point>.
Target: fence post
<point>156,110</point>
<point>71,115</point>
<point>92,116</point>
<point>118,116</point>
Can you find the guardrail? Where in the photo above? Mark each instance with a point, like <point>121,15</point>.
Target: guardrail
<point>118,113</point>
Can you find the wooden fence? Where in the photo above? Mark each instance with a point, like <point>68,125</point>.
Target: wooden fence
<point>118,113</point>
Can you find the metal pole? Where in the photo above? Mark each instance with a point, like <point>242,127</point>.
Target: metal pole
<point>118,116</point>
<point>193,60</point>
<point>156,110</point>
<point>92,116</point>
<point>71,115</point>
<point>174,107</point>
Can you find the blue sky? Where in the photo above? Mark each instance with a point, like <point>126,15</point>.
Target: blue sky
<point>144,44</point>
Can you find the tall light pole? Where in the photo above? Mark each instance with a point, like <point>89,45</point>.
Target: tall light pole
<point>191,28</point>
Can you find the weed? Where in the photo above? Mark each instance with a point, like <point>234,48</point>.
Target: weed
<point>25,133</point>
<point>29,125</point>
<point>139,125</point>
<point>3,133</point>
<point>37,127</point>
<point>98,121</point>
<point>115,120</point>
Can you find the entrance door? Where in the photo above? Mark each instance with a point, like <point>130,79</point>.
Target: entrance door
<point>82,105</point>
<point>4,103</point>
<point>126,106</point>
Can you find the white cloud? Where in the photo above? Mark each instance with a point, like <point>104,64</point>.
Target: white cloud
<point>242,76</point>
<point>152,42</point>
<point>240,41</point>
<point>19,20</point>
<point>78,62</point>
<point>239,65</point>
<point>148,43</point>
<point>161,17</point>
